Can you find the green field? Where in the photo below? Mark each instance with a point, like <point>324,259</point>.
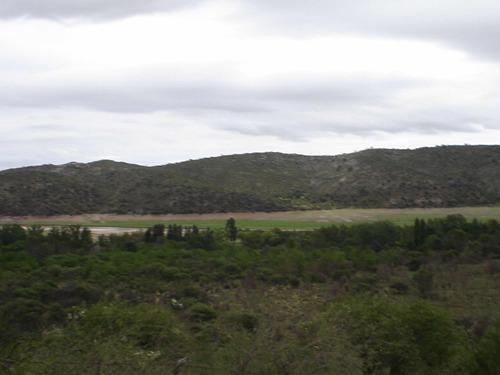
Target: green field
<point>299,220</point>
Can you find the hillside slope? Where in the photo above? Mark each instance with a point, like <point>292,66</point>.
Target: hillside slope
<point>447,176</point>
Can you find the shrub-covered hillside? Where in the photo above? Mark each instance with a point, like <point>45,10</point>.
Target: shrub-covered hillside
<point>360,299</point>
<point>430,177</point>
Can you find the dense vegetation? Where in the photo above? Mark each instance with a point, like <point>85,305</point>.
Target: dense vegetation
<point>361,299</point>
<point>453,176</point>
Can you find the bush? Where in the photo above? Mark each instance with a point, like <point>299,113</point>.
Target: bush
<point>185,303</point>
<point>23,314</point>
<point>424,282</point>
<point>399,287</point>
<point>294,281</point>
<point>191,291</point>
<point>397,338</point>
<point>232,270</point>
<point>146,325</point>
<point>244,320</point>
<point>201,312</point>
<point>486,358</point>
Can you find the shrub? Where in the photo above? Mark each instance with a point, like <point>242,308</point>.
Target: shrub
<point>201,312</point>
<point>191,291</point>
<point>362,288</point>
<point>395,338</point>
<point>171,273</point>
<point>294,281</point>
<point>485,360</point>
<point>23,314</point>
<point>244,320</point>
<point>146,325</point>
<point>399,287</point>
<point>424,282</point>
<point>185,303</point>
<point>232,270</point>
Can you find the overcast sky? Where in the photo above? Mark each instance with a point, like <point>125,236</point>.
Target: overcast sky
<point>160,81</point>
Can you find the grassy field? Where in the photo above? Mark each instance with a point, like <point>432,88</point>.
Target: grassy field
<point>252,220</point>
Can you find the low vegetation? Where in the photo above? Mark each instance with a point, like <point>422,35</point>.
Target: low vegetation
<point>452,176</point>
<point>368,298</point>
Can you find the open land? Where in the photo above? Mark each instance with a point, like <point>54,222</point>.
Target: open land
<point>299,220</point>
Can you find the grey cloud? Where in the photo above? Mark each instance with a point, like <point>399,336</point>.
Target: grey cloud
<point>294,110</point>
<point>161,91</point>
<point>462,24</point>
<point>88,9</point>
<point>44,128</point>
<point>356,119</point>
<point>135,98</point>
<point>335,92</point>
<point>472,26</point>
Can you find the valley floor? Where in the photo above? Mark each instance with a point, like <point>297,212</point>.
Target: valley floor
<point>314,218</point>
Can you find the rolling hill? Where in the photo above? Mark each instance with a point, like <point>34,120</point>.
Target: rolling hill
<point>446,176</point>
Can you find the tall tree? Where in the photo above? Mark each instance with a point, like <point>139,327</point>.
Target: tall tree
<point>231,230</point>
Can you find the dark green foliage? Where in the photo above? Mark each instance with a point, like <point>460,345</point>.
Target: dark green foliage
<point>452,176</point>
<point>341,299</point>
<point>155,233</point>
<point>200,312</point>
<point>174,232</point>
<point>244,320</point>
<point>191,291</point>
<point>11,233</point>
<point>486,360</point>
<point>231,230</point>
<point>397,338</point>
<point>22,314</point>
<point>399,287</point>
<point>419,232</point>
<point>377,236</point>
<point>424,282</point>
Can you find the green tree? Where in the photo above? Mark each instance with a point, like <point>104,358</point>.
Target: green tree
<point>157,231</point>
<point>419,232</point>
<point>11,233</point>
<point>424,281</point>
<point>174,232</point>
<point>398,338</point>
<point>231,230</point>
<point>486,357</point>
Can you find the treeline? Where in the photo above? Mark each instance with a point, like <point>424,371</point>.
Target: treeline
<point>367,298</point>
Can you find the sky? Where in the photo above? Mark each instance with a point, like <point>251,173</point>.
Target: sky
<point>153,82</point>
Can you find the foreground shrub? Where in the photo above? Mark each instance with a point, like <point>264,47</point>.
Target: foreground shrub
<point>243,320</point>
<point>201,312</point>
<point>486,358</point>
<point>397,338</point>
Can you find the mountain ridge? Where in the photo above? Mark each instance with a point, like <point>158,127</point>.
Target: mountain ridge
<point>444,176</point>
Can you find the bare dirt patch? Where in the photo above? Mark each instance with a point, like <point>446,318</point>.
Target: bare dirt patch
<point>104,218</point>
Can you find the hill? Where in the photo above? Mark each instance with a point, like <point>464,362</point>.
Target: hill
<point>447,176</point>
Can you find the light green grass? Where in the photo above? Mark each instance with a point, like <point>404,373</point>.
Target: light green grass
<point>299,220</point>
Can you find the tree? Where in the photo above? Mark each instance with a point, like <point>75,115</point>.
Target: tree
<point>231,230</point>
<point>419,232</point>
<point>174,232</point>
<point>11,233</point>
<point>485,359</point>
<point>397,338</point>
<point>158,230</point>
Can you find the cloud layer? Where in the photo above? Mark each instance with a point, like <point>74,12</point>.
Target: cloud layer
<point>118,79</point>
<point>89,10</point>
<point>472,26</point>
